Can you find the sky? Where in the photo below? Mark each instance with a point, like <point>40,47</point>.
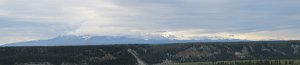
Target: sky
<point>25,20</point>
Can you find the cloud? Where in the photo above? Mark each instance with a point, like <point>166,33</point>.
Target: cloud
<point>10,35</point>
<point>178,19</point>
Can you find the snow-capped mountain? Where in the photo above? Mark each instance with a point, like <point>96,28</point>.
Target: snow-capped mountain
<point>106,40</point>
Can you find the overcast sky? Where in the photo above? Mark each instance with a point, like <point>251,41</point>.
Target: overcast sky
<point>23,20</point>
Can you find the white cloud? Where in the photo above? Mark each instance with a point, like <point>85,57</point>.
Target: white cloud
<point>178,19</point>
<point>12,39</point>
<point>9,35</point>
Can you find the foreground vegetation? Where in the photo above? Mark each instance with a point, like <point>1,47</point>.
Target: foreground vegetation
<point>245,62</point>
<point>202,53</point>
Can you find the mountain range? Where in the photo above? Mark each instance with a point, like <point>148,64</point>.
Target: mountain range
<point>107,40</point>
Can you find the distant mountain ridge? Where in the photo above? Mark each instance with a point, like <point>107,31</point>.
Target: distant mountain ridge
<point>106,40</point>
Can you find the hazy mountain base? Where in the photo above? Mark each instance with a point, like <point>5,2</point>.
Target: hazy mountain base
<point>146,54</point>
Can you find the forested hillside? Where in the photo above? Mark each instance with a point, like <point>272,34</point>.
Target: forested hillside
<point>149,54</point>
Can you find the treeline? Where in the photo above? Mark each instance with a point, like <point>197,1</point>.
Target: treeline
<point>259,62</point>
<point>155,54</point>
<point>222,51</point>
<point>72,55</point>
<point>266,62</point>
<point>245,62</point>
